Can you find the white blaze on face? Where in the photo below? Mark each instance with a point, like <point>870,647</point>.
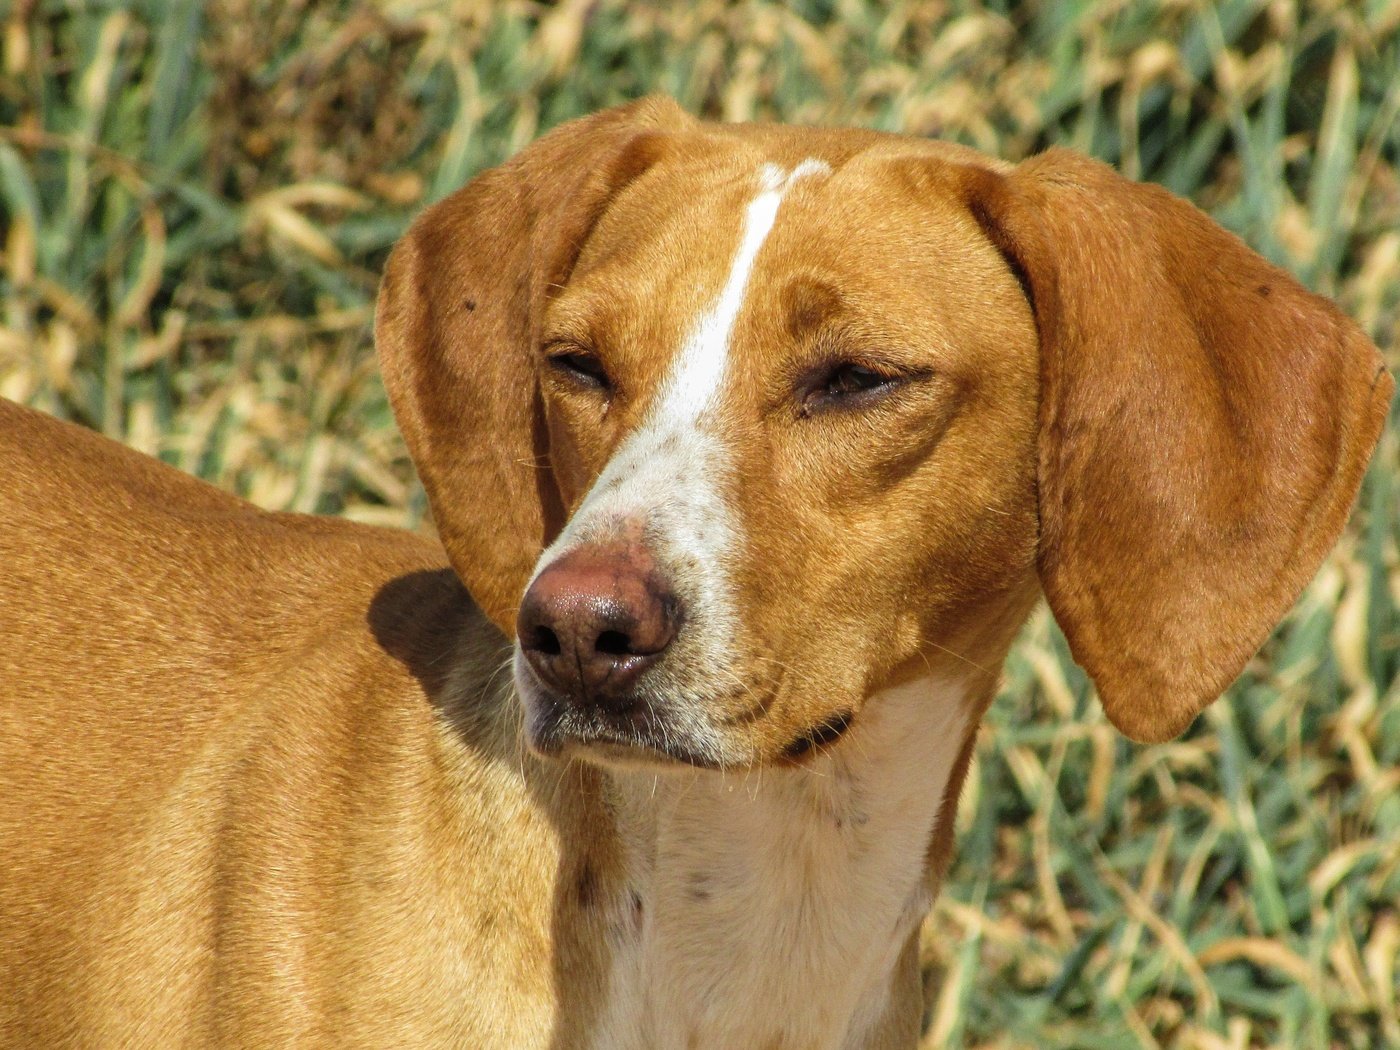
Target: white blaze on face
<point>667,474</point>
<point>695,380</point>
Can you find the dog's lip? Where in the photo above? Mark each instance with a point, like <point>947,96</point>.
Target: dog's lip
<point>553,733</point>
<point>555,728</point>
<point>818,737</point>
<point>632,753</point>
<point>607,745</point>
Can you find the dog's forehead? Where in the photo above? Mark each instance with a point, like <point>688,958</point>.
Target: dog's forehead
<point>771,227</point>
<point>662,248</point>
<point>687,209</point>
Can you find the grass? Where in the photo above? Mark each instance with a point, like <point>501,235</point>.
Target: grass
<point>195,201</point>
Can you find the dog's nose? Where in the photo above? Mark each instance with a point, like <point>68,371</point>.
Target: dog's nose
<point>594,620</point>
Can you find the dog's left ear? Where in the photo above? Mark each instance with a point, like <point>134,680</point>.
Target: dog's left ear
<point>457,328</point>
<point>1204,425</point>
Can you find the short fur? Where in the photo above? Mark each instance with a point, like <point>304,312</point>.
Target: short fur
<point>264,778</point>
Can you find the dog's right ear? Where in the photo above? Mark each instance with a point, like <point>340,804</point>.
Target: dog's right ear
<point>457,325</point>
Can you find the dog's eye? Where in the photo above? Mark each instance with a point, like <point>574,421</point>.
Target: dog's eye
<point>847,385</point>
<point>853,379</point>
<point>582,366</point>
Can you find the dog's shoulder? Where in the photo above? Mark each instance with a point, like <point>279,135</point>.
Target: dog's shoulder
<point>145,612</point>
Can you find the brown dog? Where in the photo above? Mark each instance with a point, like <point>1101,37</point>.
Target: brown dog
<point>753,447</point>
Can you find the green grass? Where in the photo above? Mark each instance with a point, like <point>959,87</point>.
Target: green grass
<point>195,201</point>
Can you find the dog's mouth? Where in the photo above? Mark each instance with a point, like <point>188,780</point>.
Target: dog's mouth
<point>817,738</point>
<point>632,754</point>
<point>658,732</point>
<point>565,733</point>
<point>636,733</point>
<point>643,737</point>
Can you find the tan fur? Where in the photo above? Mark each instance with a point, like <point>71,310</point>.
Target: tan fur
<point>262,777</point>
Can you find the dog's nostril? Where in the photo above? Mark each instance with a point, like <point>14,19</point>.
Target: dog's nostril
<point>543,640</point>
<point>614,643</point>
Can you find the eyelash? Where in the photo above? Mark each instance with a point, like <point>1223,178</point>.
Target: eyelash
<point>840,385</point>
<point>849,378</point>
<point>581,366</point>
<point>849,384</point>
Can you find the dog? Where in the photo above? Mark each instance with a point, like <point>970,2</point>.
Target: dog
<point>750,448</point>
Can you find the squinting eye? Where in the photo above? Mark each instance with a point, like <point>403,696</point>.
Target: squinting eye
<point>582,367</point>
<point>847,385</point>
<point>847,379</point>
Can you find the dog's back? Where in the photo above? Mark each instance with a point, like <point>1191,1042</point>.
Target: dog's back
<point>180,763</point>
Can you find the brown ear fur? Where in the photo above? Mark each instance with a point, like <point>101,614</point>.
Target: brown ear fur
<point>456,327</point>
<point>1205,422</point>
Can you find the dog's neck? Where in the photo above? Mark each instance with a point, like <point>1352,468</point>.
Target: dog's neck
<point>771,908</point>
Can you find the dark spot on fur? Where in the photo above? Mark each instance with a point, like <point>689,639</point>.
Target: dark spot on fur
<point>627,926</point>
<point>586,887</point>
<point>698,888</point>
<point>470,304</point>
<point>1264,290</point>
<point>810,304</point>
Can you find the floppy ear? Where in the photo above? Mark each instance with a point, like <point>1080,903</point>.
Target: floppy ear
<point>1204,425</point>
<point>457,324</point>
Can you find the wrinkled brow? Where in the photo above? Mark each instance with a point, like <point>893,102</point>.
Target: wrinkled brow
<point>809,304</point>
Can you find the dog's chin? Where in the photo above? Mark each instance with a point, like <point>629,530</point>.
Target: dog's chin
<point>634,756</point>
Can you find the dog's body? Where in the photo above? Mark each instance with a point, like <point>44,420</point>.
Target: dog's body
<point>342,841</point>
<point>762,443</point>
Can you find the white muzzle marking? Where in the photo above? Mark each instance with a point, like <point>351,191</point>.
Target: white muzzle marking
<point>670,463</point>
<point>668,474</point>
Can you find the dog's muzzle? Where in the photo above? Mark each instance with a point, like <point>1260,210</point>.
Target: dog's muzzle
<point>590,626</point>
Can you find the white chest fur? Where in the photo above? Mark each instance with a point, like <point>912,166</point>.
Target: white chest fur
<point>775,904</point>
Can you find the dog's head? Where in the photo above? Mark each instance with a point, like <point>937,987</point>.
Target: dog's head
<point>733,426</point>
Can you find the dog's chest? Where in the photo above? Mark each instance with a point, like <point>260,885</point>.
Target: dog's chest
<point>771,909</point>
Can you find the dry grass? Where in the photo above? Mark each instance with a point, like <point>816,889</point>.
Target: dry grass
<point>195,201</point>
